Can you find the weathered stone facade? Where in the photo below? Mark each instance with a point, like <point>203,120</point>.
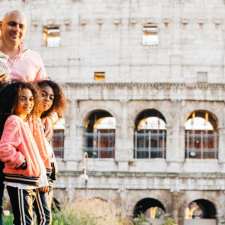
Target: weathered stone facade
<point>174,181</point>
<point>182,74</point>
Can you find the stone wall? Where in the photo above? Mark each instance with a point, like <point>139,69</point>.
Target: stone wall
<point>183,73</point>
<point>107,36</point>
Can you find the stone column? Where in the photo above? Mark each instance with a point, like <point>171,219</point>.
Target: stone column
<point>123,141</point>
<point>221,144</point>
<point>175,206</point>
<point>175,138</point>
<point>181,144</point>
<point>220,217</point>
<point>178,207</point>
<point>73,134</point>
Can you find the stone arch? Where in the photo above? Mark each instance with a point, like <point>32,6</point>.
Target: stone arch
<point>150,134</point>
<point>97,113</point>
<point>149,112</point>
<point>139,111</point>
<point>86,114</point>
<point>136,109</point>
<point>201,135</point>
<point>99,134</point>
<point>201,208</point>
<point>201,113</point>
<point>143,205</point>
<point>189,110</point>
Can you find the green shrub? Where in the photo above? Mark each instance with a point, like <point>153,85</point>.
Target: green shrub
<point>169,221</point>
<point>8,220</point>
<point>65,217</point>
<point>70,217</point>
<point>140,220</point>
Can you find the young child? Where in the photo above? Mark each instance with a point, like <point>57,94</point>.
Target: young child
<point>52,101</point>
<point>23,167</point>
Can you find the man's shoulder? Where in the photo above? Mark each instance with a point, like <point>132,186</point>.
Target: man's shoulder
<point>32,56</point>
<point>29,52</point>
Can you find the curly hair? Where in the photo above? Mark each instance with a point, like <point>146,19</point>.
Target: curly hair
<point>59,102</point>
<point>9,95</point>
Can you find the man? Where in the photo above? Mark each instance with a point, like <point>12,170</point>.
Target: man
<point>23,64</point>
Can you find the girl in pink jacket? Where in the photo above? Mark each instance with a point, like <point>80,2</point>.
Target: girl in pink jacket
<point>18,150</point>
<point>51,100</point>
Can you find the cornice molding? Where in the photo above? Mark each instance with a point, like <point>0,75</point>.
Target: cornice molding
<point>147,85</point>
<point>175,182</point>
<point>113,174</point>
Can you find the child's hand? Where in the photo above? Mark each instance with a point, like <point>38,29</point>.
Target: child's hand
<point>4,78</point>
<point>23,166</point>
<point>44,189</point>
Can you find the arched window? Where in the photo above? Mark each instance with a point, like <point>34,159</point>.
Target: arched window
<point>201,136</point>
<point>200,209</point>
<point>150,135</point>
<point>150,207</point>
<point>99,135</point>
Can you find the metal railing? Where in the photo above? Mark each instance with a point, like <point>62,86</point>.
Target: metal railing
<point>99,144</point>
<point>150,144</point>
<point>201,144</point>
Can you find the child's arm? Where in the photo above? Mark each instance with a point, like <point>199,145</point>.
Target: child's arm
<point>48,128</point>
<point>9,142</point>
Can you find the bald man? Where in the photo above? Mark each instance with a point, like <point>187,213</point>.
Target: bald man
<point>23,64</point>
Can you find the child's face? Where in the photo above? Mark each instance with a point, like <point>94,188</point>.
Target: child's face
<point>46,99</point>
<point>25,103</point>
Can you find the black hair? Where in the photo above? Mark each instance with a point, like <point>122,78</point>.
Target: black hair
<point>9,99</point>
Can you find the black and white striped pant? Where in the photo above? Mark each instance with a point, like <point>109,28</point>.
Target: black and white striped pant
<point>22,204</point>
<point>23,201</point>
<point>41,208</point>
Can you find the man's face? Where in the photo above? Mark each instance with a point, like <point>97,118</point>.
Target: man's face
<point>13,29</point>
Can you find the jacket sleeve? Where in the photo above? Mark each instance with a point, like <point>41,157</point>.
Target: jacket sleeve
<point>38,133</point>
<point>9,143</point>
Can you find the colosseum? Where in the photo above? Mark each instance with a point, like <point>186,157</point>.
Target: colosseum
<point>144,79</point>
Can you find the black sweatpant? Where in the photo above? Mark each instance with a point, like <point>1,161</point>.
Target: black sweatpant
<point>22,205</point>
<point>41,208</point>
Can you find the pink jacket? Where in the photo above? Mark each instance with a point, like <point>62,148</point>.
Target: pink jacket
<point>37,129</point>
<point>17,144</point>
